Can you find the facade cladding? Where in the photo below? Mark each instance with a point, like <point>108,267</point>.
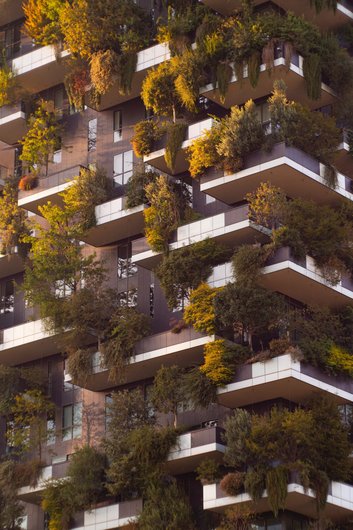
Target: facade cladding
<point>176,389</point>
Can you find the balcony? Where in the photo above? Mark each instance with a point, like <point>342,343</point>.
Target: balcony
<point>27,342</point>
<point>40,68</point>
<point>344,159</point>
<point>282,377</point>
<point>34,494</point>
<point>48,189</point>
<point>156,158</point>
<point>10,10</point>
<point>327,20</point>
<point>167,348</point>
<point>146,59</point>
<point>239,92</point>
<point>11,264</point>
<point>13,124</point>
<point>298,174</point>
<point>194,446</point>
<point>339,503</point>
<point>111,516</point>
<point>114,222</point>
<point>231,228</point>
<point>302,280</point>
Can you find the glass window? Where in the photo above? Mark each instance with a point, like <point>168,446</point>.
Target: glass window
<point>59,99</point>
<point>128,298</point>
<point>51,429</point>
<point>92,135</point>
<point>62,289</point>
<point>126,268</point>
<point>57,157</point>
<point>123,164</point>
<point>117,126</point>
<point>72,421</point>
<point>7,297</point>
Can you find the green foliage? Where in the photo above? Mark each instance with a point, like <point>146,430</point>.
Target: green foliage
<point>79,365</point>
<point>233,483</point>
<point>168,204</point>
<point>208,471</point>
<point>237,430</point>
<point>186,268</point>
<point>175,137</point>
<point>218,362</point>
<point>58,500</point>
<point>30,411</point>
<point>8,84</point>
<point>90,188</point>
<point>248,309</point>
<point>199,389</point>
<point>126,327</point>
<point>13,225</point>
<point>41,140</point>
<point>254,483</point>
<point>42,21</point>
<point>166,508</point>
<point>145,134</point>
<point>247,262</point>
<point>200,312</point>
<point>11,509</point>
<point>135,188</point>
<point>167,393</point>
<point>312,75</point>
<point>267,205</point>
<point>86,475</point>
<point>276,487</point>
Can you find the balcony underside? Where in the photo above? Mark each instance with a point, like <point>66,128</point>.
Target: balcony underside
<point>13,128</point>
<point>296,178</point>
<point>10,264</point>
<point>298,501</point>
<point>344,160</point>
<point>35,198</point>
<point>325,20</point>
<point>240,91</point>
<point>237,234</point>
<point>299,283</point>
<point>116,225</point>
<point>146,364</point>
<point>188,460</point>
<point>10,10</point>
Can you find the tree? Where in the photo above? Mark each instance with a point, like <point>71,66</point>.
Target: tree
<point>136,186</point>
<point>11,509</point>
<point>42,21</point>
<point>167,393</point>
<point>86,474</point>
<point>166,508</point>
<point>186,268</point>
<point>267,205</point>
<point>30,413</point>
<point>248,309</point>
<point>158,91</point>
<point>200,312</point>
<point>42,139</point>
<point>168,203</point>
<point>13,226</point>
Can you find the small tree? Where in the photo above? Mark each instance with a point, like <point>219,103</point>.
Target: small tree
<point>158,91</point>
<point>267,205</point>
<point>30,413</point>
<point>11,509</point>
<point>13,226</point>
<point>135,188</point>
<point>248,310</point>
<point>168,204</point>
<point>43,138</point>
<point>167,392</point>
<point>184,269</point>
<point>200,313</point>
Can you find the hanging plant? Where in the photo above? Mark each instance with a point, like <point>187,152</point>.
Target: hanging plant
<point>126,67</point>
<point>319,5</point>
<point>276,486</point>
<point>312,75</point>
<point>76,83</point>
<point>239,71</point>
<point>175,137</point>
<point>103,65</point>
<point>224,75</point>
<point>254,63</point>
<point>268,55</point>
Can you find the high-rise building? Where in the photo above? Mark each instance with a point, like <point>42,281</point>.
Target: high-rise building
<point>225,232</point>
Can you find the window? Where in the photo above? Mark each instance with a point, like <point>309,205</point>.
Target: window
<point>128,298</point>
<point>123,164</point>
<point>57,156</point>
<point>6,297</point>
<point>126,268</point>
<point>62,289</point>
<point>97,362</point>
<point>263,114</point>
<point>72,421</point>
<point>117,126</point>
<point>51,429</point>
<point>92,135</point>
<point>59,100</point>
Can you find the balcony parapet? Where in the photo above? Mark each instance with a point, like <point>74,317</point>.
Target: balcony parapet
<point>283,377</point>
<point>296,172</point>
<point>339,502</point>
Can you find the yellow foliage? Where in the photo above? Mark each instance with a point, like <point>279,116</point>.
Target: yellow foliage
<point>202,152</point>
<point>216,367</point>
<point>340,360</point>
<point>200,313</point>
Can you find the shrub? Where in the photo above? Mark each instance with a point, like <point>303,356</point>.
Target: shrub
<point>254,483</point>
<point>103,67</point>
<point>208,471</point>
<point>86,474</point>
<point>135,188</point>
<point>218,362</point>
<point>28,182</point>
<point>7,83</point>
<point>199,389</point>
<point>76,82</point>
<point>190,78</point>
<point>158,90</point>
<point>200,313</point>
<point>79,365</point>
<point>340,361</point>
<point>42,21</point>
<point>202,153</point>
<point>13,227</point>
<point>276,487</point>
<point>233,483</point>
<point>145,134</point>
